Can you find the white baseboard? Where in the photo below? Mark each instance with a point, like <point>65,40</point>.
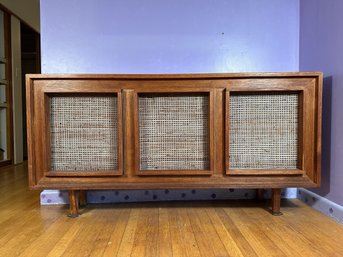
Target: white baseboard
<point>321,204</point>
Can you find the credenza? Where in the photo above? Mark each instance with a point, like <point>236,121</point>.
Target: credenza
<point>232,130</point>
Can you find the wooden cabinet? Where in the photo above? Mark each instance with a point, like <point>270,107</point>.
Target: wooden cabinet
<point>242,130</point>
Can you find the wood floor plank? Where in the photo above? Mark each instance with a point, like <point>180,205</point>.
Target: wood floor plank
<point>268,231</point>
<point>13,209</point>
<point>65,240</point>
<point>24,234</point>
<point>228,241</point>
<point>189,229</point>
<point>139,244</point>
<point>241,241</point>
<point>164,238</point>
<point>116,235</point>
<point>108,225</point>
<point>178,244</point>
<point>310,234</point>
<point>186,230</point>
<point>83,242</point>
<point>127,241</point>
<point>152,235</point>
<point>210,233</point>
<point>204,244</point>
<point>298,244</point>
<point>253,233</point>
<point>315,225</point>
<point>45,242</point>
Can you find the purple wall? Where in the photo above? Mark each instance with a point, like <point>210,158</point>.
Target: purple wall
<point>321,48</point>
<point>156,36</point>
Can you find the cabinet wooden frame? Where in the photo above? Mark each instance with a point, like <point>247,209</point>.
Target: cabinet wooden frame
<point>306,90</point>
<point>176,90</point>
<point>41,125</point>
<point>309,130</point>
<point>128,86</point>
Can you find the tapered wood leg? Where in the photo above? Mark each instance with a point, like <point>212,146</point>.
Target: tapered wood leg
<point>260,194</point>
<point>276,201</point>
<point>73,204</point>
<point>83,197</point>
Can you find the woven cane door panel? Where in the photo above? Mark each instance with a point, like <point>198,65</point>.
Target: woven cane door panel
<point>174,131</point>
<point>263,131</point>
<point>84,133</point>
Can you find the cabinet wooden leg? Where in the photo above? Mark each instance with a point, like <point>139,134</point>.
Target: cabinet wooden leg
<point>83,197</point>
<point>276,201</point>
<point>73,204</point>
<point>260,194</point>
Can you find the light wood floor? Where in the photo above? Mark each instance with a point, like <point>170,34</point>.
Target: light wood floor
<point>217,228</point>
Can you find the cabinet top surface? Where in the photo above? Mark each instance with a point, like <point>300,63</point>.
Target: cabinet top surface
<point>177,76</point>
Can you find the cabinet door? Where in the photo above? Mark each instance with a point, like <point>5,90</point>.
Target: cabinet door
<point>272,127</point>
<point>173,129</point>
<point>77,128</point>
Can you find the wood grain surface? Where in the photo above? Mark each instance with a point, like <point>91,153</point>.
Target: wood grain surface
<point>216,228</point>
<point>129,176</point>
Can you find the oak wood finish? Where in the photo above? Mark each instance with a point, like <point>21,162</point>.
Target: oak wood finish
<point>216,228</point>
<point>219,87</point>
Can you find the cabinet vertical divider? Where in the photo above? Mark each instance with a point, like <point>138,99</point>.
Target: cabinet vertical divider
<point>129,134</point>
<point>227,132</point>
<point>219,131</point>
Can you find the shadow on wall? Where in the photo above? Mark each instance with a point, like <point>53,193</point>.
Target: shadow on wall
<point>121,196</point>
<point>326,138</point>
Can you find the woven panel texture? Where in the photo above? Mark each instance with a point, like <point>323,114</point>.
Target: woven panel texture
<point>173,132</point>
<point>84,133</point>
<point>263,131</point>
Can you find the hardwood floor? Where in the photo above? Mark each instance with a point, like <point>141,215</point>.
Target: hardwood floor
<point>217,228</point>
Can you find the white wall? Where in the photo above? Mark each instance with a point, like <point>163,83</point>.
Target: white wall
<point>26,10</point>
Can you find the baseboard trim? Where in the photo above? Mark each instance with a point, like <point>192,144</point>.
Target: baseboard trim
<point>321,204</point>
